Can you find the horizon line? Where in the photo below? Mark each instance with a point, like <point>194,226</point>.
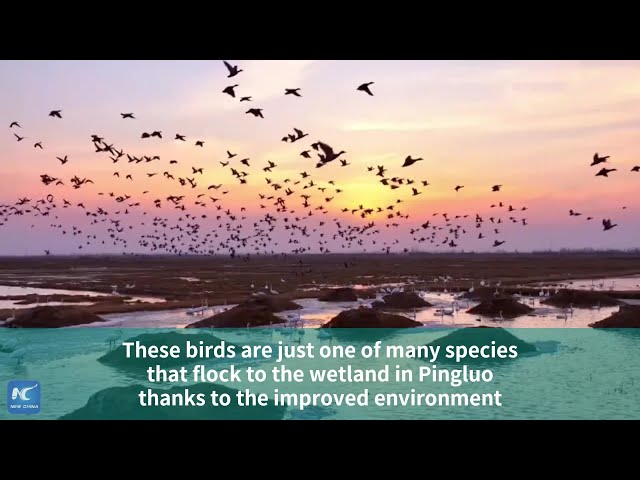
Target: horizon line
<point>589,251</point>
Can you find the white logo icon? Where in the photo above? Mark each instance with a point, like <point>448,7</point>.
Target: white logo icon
<point>22,393</point>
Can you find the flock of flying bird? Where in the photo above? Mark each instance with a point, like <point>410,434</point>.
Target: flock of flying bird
<point>603,172</point>
<point>207,224</point>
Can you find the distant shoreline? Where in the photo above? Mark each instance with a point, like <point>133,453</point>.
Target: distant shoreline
<point>584,252</point>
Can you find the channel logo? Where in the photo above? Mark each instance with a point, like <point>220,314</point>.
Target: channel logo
<point>23,397</point>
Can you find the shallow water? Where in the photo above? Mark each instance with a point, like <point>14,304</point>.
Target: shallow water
<point>12,304</point>
<point>617,283</point>
<point>15,290</point>
<point>159,319</point>
<point>628,284</point>
<point>356,286</point>
<point>10,290</point>
<point>315,313</point>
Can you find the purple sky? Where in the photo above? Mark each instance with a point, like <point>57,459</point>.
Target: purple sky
<point>531,126</point>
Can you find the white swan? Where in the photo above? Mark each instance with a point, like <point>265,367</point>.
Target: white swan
<point>448,311</point>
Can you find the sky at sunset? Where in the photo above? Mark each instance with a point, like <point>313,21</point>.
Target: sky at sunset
<point>530,126</point>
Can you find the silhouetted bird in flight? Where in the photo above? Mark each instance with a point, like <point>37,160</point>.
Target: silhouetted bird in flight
<point>305,154</point>
<point>299,134</point>
<point>38,145</point>
<point>127,115</point>
<point>230,155</point>
<point>145,135</point>
<point>458,187</point>
<point>410,161</point>
<point>365,88</point>
<point>200,143</point>
<point>229,90</point>
<point>180,137</point>
<point>328,154</point>
<point>19,137</point>
<point>156,134</point>
<point>14,124</point>
<point>496,188</point>
<point>292,91</point>
<point>605,172</point>
<point>606,223</point>
<point>256,112</point>
<point>245,99</point>
<point>55,113</point>
<point>63,160</point>
<point>233,69</point>
<point>496,243</point>
<point>636,169</point>
<point>598,159</point>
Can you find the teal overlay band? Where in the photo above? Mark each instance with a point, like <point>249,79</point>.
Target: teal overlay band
<point>378,374</point>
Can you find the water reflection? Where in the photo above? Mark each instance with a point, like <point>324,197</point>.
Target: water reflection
<point>10,290</point>
<point>314,313</point>
<point>621,284</point>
